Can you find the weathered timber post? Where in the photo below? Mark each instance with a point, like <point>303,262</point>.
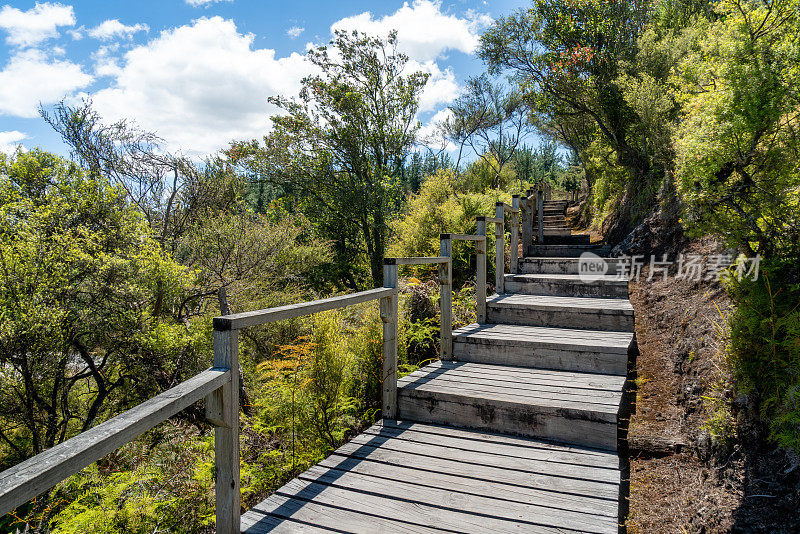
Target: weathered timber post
<point>446,298</point>
<point>389,307</point>
<point>222,410</point>
<point>540,210</point>
<point>480,267</point>
<point>527,222</point>
<point>514,235</point>
<point>499,248</point>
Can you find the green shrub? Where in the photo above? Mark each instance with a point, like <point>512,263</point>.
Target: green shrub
<point>765,347</point>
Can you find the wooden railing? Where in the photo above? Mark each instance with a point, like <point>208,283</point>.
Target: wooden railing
<point>219,385</point>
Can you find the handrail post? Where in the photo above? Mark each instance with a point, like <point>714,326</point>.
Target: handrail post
<point>515,235</point>
<point>480,267</point>
<point>540,209</point>
<point>389,307</point>
<point>222,409</point>
<point>527,222</point>
<point>446,298</point>
<point>499,248</point>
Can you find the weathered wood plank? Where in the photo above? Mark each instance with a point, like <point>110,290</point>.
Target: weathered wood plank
<point>542,473</point>
<point>481,440</point>
<point>238,321</point>
<point>40,473</point>
<point>564,405</point>
<point>544,420</point>
<point>434,492</point>
<point>518,389</point>
<point>417,260</point>
<point>552,338</point>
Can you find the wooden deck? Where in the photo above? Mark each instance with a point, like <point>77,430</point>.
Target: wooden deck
<point>518,433</point>
<point>411,477</point>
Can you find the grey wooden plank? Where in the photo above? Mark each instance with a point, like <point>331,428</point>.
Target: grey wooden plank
<point>580,427</point>
<point>436,493</point>
<point>555,338</point>
<point>40,473</point>
<point>590,380</point>
<point>521,356</point>
<point>502,444</point>
<point>280,513</point>
<point>523,490</point>
<point>580,409</point>
<point>238,321</point>
<point>382,508</point>
<point>486,387</point>
<point>506,376</point>
<point>596,304</point>
<point>543,474</point>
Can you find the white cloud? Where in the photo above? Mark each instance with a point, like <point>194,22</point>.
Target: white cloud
<point>9,141</point>
<point>431,134</point>
<point>31,78</point>
<point>204,3</point>
<point>295,31</point>
<point>114,28</point>
<point>201,86</point>
<point>424,32</point>
<point>31,27</point>
<point>442,87</point>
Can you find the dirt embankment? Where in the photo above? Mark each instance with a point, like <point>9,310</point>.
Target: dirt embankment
<point>682,479</point>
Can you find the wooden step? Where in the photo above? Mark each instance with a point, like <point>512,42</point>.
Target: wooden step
<point>541,265</point>
<point>576,408</point>
<point>404,477</point>
<point>566,285</point>
<point>561,312</point>
<point>571,239</point>
<point>576,350</point>
<point>567,251</point>
<point>553,231</point>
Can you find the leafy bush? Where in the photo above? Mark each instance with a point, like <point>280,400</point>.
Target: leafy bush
<point>765,346</point>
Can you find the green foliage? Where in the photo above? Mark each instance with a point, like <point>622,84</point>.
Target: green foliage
<point>439,209</point>
<point>340,148</point>
<point>765,346</point>
<point>738,144</point>
<point>88,305</point>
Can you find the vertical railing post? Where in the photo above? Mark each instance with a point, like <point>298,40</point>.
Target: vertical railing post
<point>540,210</point>
<point>514,235</point>
<point>389,317</point>
<point>499,248</point>
<point>480,268</point>
<point>222,410</point>
<point>527,222</point>
<point>446,298</point>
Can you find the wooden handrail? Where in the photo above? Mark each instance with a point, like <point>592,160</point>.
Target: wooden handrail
<point>416,260</point>
<point>40,473</point>
<point>463,237</point>
<point>254,318</point>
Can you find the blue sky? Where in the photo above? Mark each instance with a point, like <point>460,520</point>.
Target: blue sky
<point>198,72</point>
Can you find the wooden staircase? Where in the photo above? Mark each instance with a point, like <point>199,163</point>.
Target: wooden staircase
<point>520,432</point>
<point>551,363</point>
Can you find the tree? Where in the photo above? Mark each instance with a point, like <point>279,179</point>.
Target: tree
<point>580,68</point>
<point>491,120</point>
<point>739,143</point>
<point>339,148</point>
<point>89,304</point>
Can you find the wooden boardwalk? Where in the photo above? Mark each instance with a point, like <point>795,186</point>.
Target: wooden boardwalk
<point>413,477</point>
<point>519,433</point>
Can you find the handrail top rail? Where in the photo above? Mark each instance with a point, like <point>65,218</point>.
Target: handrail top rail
<point>37,474</point>
<point>416,260</point>
<point>507,207</point>
<point>237,321</point>
<point>496,220</point>
<point>463,237</point>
